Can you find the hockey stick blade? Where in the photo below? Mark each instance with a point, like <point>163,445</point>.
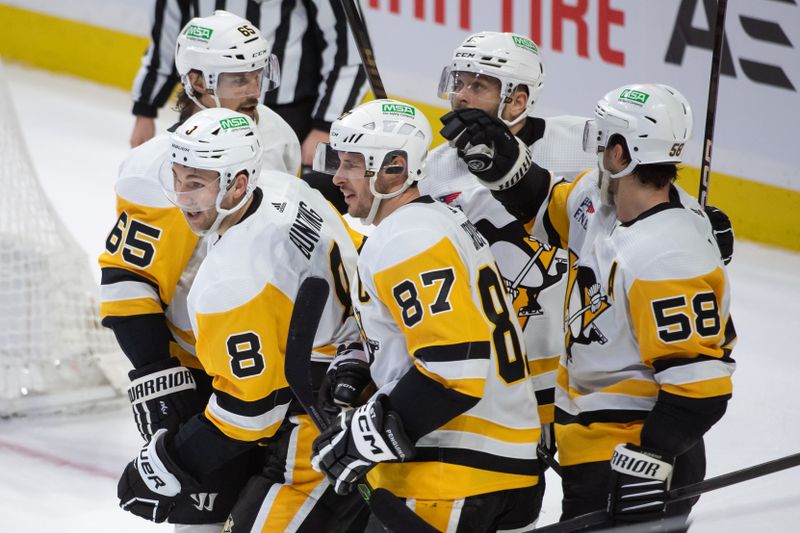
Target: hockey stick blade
<point>597,518</point>
<point>308,308</point>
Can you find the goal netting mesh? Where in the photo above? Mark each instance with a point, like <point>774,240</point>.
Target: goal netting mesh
<point>51,340</point>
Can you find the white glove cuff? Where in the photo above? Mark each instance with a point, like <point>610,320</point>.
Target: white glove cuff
<point>638,464</point>
<point>161,383</point>
<point>152,469</point>
<point>520,168</point>
<point>368,440</point>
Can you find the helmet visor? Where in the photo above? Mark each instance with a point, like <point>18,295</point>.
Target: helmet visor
<point>472,86</point>
<point>592,137</point>
<point>349,165</point>
<point>191,189</point>
<point>250,84</point>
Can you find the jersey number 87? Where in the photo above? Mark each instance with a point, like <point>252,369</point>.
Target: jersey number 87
<point>506,342</point>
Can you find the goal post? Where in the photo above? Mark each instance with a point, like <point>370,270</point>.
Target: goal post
<point>51,340</point>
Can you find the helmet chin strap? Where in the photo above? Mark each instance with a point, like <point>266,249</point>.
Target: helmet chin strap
<point>222,214</point>
<point>606,197</point>
<point>378,196</point>
<point>190,93</point>
<point>522,116</point>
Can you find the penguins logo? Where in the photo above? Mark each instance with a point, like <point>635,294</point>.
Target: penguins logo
<point>585,303</point>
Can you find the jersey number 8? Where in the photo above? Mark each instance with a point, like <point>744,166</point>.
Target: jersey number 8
<point>244,349</point>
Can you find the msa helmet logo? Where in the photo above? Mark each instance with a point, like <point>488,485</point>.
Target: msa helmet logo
<point>233,123</point>
<point>398,109</point>
<point>522,42</point>
<point>199,32</point>
<point>634,97</point>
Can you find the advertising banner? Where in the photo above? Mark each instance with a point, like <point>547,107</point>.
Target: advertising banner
<point>591,46</point>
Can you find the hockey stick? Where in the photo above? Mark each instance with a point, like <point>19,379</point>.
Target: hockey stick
<point>548,458</point>
<point>308,309</point>
<point>711,110</point>
<point>359,28</point>
<point>677,494</point>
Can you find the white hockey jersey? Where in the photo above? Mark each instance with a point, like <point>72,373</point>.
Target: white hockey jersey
<point>647,311</point>
<point>534,274</point>
<point>151,253</point>
<point>242,300</point>
<point>429,296</point>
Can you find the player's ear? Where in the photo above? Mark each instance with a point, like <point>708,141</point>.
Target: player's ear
<point>197,82</point>
<point>239,186</point>
<point>516,103</point>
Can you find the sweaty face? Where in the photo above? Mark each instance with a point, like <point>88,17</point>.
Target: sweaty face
<point>195,193</point>
<point>474,91</point>
<point>351,180</point>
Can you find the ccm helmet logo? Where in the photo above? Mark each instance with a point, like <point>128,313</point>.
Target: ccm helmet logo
<point>465,54</point>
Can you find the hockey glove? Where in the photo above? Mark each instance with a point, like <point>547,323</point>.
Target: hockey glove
<point>491,152</point>
<point>151,482</point>
<point>723,232</point>
<point>357,440</point>
<point>163,395</point>
<point>346,379</point>
<point>640,479</point>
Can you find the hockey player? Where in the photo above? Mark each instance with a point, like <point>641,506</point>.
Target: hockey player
<point>453,426</point>
<point>262,243</point>
<point>503,75</point>
<point>649,336</point>
<point>152,254</point>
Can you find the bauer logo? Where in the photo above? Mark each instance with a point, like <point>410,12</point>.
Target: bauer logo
<point>233,123</point>
<point>636,97</point>
<point>522,42</point>
<point>399,109</point>
<point>199,32</point>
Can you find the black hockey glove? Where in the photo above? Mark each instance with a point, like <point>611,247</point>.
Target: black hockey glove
<point>151,482</point>
<point>358,439</point>
<point>346,379</point>
<point>723,232</point>
<point>163,395</point>
<point>640,479</point>
<point>491,152</point>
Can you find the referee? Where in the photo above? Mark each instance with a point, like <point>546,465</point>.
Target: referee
<point>321,73</point>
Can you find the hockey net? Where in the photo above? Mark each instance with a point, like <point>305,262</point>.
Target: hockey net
<point>51,340</point>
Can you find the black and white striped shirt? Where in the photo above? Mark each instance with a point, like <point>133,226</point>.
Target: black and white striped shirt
<point>318,57</point>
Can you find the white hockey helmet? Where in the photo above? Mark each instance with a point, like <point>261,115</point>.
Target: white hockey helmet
<point>654,119</point>
<point>512,59</point>
<point>219,140</point>
<point>219,44</point>
<point>376,130</point>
